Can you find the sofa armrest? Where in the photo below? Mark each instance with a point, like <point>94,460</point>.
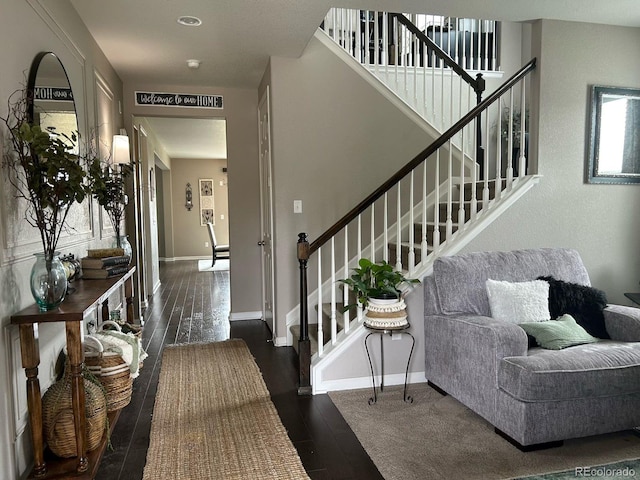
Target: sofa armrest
<point>623,323</point>
<point>462,355</point>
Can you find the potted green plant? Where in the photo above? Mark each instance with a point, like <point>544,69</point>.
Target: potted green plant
<point>107,186</point>
<point>377,288</point>
<point>47,175</point>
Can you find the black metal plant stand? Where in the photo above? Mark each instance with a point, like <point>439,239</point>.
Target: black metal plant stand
<point>381,332</point>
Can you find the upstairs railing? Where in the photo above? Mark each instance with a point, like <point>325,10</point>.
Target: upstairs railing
<point>424,59</point>
<point>412,216</point>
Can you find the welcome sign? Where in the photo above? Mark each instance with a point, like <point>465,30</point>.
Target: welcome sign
<point>56,94</point>
<point>163,99</point>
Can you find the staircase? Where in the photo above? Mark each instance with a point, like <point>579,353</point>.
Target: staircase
<point>432,206</point>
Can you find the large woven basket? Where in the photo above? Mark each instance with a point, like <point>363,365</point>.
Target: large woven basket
<point>111,370</point>
<point>57,416</point>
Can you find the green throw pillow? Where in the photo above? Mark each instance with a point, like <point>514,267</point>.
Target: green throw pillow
<point>558,334</point>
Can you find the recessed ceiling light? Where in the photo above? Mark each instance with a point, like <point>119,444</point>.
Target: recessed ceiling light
<point>190,21</point>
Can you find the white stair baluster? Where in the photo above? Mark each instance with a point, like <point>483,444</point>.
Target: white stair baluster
<point>423,239</point>
<point>320,300</point>
<point>334,321</point>
<point>396,24</point>
<point>522,168</point>
<point>398,228</point>
<point>474,173</point>
<point>450,192</point>
<point>385,248</point>
<point>385,40</point>
<point>461,214</point>
<point>346,316</point>
<point>494,48</point>
<point>367,42</point>
<point>359,247</point>
<point>436,209</point>
<point>510,141</point>
<point>376,41</point>
<point>487,156</point>
<point>412,253</point>
<point>499,159</point>
<point>373,233</point>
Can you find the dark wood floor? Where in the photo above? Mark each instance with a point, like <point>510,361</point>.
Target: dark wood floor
<point>194,306</point>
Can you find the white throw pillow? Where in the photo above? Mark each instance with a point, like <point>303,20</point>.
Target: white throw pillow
<point>520,301</point>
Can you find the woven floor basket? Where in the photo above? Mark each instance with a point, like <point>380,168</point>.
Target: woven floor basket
<point>111,370</point>
<point>57,416</point>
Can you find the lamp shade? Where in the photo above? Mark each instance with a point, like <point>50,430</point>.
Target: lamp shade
<point>120,149</point>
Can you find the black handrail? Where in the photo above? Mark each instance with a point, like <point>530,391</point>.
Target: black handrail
<point>305,250</point>
<point>476,83</point>
<point>418,159</point>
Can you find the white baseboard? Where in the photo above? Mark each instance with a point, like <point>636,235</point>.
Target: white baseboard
<point>175,259</point>
<point>365,382</point>
<point>235,316</point>
<point>281,342</point>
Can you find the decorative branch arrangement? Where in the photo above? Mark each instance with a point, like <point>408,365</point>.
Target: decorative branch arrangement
<point>44,171</point>
<point>108,187</point>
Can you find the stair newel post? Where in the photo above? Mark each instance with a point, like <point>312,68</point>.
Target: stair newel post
<point>304,344</point>
<point>479,88</point>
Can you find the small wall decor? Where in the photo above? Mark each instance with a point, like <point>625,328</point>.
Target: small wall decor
<point>188,197</point>
<point>206,201</point>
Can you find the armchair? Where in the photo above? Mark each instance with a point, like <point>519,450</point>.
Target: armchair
<point>534,397</point>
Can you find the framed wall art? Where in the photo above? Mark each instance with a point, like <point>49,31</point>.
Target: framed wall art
<point>207,211</point>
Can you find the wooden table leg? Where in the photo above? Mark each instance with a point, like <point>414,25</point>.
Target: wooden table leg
<point>128,294</point>
<point>76,359</point>
<point>30,354</point>
<point>105,310</point>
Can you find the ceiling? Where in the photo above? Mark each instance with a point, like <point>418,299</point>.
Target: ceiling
<point>190,137</point>
<point>143,40</point>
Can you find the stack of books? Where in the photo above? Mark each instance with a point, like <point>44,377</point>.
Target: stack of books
<point>104,263</point>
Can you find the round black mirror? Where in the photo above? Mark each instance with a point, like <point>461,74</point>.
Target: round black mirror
<point>50,98</point>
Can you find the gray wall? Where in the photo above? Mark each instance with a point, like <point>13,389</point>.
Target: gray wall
<point>240,112</point>
<point>27,28</point>
<point>188,235</point>
<point>601,221</point>
<point>335,140</point>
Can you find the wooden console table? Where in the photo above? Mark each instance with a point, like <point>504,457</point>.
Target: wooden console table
<point>88,295</point>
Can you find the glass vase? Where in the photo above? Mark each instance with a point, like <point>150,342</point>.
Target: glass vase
<point>48,281</point>
<point>123,242</point>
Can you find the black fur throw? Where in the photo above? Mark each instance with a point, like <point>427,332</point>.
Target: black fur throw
<point>583,303</point>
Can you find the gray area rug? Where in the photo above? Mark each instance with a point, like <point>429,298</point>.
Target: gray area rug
<point>436,437</point>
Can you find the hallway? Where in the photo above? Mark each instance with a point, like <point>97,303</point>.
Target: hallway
<point>194,306</point>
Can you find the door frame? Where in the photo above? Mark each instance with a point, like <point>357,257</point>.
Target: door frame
<point>266,213</point>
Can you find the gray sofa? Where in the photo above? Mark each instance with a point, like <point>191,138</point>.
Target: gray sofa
<point>533,396</point>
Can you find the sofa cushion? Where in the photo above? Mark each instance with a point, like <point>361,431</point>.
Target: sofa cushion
<point>602,369</point>
<point>558,334</point>
<point>518,302</point>
<point>460,279</point>
<point>585,304</point>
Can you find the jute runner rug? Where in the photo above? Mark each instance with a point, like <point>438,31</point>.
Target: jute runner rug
<point>213,419</point>
<point>437,438</point>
